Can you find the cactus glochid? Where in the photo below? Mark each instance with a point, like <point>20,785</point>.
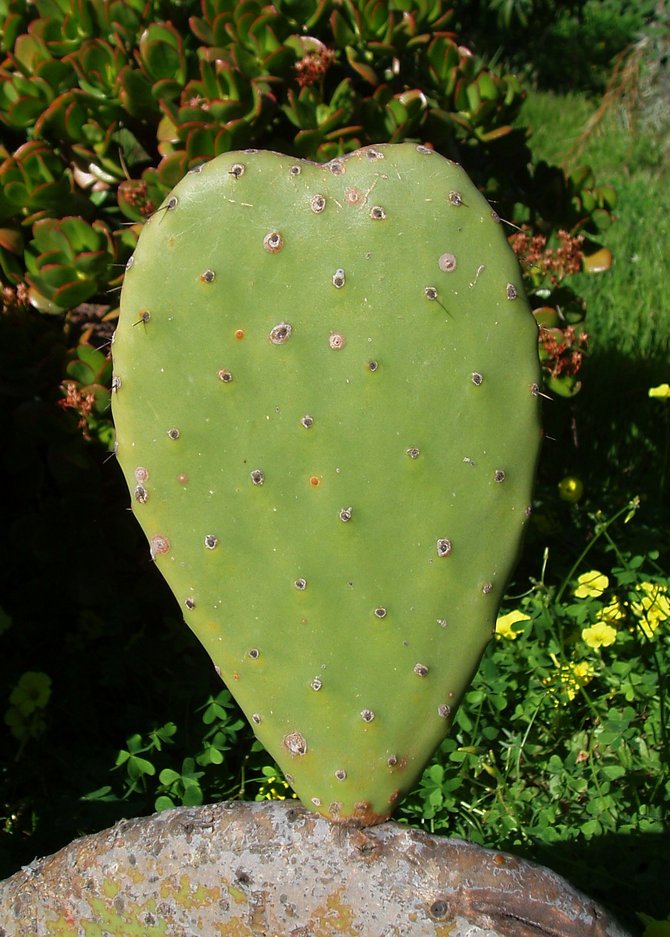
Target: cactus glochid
<point>326,401</point>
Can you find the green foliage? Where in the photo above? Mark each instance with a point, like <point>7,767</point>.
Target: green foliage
<point>621,434</point>
<point>568,702</point>
<point>655,928</point>
<point>567,45</point>
<point>564,738</point>
<point>25,715</point>
<point>79,602</point>
<point>106,107</point>
<point>66,262</point>
<point>600,31</point>
<point>149,772</point>
<point>561,745</point>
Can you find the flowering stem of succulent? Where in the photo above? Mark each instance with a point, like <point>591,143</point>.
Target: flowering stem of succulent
<point>599,531</point>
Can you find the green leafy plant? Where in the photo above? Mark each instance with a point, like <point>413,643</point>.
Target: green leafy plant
<point>563,739</point>
<point>86,389</point>
<point>107,107</point>
<point>66,261</point>
<point>561,744</point>
<point>569,45</point>
<point>147,772</point>
<point>25,715</point>
<point>114,161</point>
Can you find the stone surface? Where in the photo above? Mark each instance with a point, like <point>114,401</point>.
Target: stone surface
<point>276,870</point>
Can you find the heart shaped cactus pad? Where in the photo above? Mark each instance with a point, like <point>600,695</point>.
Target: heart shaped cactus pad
<point>326,399</point>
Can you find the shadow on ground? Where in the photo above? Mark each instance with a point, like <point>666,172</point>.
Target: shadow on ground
<point>626,873</point>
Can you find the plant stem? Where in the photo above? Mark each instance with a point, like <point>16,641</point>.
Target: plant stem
<point>599,532</point>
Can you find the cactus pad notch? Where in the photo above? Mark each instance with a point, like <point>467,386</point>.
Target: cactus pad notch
<point>326,400</point>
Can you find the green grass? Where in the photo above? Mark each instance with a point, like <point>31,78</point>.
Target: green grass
<point>629,308</point>
<point>622,434</point>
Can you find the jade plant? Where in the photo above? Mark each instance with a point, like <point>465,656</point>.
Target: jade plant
<point>104,107</point>
<point>325,389</point>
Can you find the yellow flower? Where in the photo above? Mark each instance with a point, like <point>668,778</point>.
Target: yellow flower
<point>649,626</point>
<point>662,392</point>
<point>571,677</point>
<point>599,635</point>
<point>591,584</point>
<point>655,599</point>
<point>612,612</point>
<point>583,672</point>
<point>273,788</point>
<point>504,625</point>
<point>652,608</point>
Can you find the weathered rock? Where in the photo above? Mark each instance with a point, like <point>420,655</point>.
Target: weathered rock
<point>276,870</point>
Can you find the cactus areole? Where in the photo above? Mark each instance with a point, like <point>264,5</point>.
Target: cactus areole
<point>326,402</point>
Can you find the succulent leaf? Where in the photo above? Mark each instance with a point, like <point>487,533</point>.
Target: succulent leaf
<point>326,398</point>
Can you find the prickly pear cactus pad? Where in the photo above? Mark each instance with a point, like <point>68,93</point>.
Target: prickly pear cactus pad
<point>326,401</point>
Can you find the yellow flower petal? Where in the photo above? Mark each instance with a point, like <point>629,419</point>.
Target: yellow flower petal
<point>599,635</point>
<point>648,626</point>
<point>504,624</point>
<point>572,676</point>
<point>591,584</point>
<point>654,599</point>
<point>661,392</point>
<point>612,612</point>
<point>583,672</point>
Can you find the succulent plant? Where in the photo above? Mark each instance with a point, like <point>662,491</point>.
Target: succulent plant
<point>67,260</point>
<point>326,398</point>
<point>86,391</point>
<point>36,180</point>
<point>111,103</point>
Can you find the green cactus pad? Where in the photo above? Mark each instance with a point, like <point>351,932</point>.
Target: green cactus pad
<point>326,401</point>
